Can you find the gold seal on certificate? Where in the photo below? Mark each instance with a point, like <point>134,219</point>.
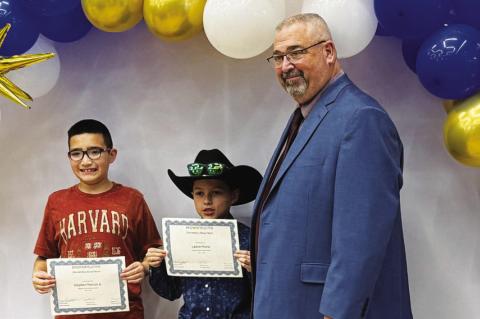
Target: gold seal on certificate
<point>201,247</point>
<point>88,285</point>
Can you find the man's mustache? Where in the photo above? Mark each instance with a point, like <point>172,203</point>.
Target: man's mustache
<point>291,74</point>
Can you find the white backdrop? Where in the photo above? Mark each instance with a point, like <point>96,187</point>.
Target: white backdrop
<point>163,102</point>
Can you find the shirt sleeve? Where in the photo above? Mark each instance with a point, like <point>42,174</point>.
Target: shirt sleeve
<point>166,286</point>
<point>244,234</point>
<point>47,245</point>
<point>146,231</point>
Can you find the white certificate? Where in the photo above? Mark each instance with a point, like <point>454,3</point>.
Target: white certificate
<point>88,285</point>
<point>201,247</point>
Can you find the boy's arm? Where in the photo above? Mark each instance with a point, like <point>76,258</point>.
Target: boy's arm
<point>146,235</point>
<point>164,285</point>
<point>42,282</point>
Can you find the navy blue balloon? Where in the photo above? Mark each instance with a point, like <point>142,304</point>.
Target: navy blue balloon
<point>410,49</point>
<point>412,18</point>
<point>48,7</point>
<point>448,62</point>
<point>467,12</point>
<point>68,27</point>
<point>381,31</point>
<point>22,35</point>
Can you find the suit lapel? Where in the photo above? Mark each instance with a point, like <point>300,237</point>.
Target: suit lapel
<point>271,164</point>
<point>313,120</point>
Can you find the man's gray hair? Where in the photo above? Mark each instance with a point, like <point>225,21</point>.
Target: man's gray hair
<point>312,19</point>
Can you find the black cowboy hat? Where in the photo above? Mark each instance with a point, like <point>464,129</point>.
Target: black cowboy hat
<point>244,178</point>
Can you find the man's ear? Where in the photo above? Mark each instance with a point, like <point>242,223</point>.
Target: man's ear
<point>330,52</point>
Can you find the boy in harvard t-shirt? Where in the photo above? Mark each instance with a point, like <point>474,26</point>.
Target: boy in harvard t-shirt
<point>96,218</point>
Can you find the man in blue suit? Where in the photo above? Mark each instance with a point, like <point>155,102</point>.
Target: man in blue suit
<point>327,239</point>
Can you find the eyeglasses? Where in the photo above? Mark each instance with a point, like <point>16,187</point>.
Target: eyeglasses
<point>210,169</point>
<point>293,56</point>
<point>93,153</point>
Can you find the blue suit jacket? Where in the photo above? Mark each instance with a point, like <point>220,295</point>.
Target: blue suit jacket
<point>330,238</point>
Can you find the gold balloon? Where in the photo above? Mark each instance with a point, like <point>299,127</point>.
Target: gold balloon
<point>113,15</point>
<point>461,131</point>
<point>7,88</point>
<point>174,20</point>
<point>448,105</point>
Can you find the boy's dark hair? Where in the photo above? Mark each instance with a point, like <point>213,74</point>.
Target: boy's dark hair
<point>93,127</point>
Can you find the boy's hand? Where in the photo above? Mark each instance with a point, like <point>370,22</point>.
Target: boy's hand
<point>134,273</point>
<point>42,282</point>
<point>154,257</point>
<point>243,257</point>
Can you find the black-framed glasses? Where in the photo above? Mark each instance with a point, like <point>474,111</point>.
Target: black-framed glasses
<point>93,153</point>
<point>293,56</point>
<point>210,169</point>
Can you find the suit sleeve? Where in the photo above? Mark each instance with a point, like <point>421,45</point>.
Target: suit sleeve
<point>366,203</point>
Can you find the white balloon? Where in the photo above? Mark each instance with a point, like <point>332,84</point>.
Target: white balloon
<point>242,28</point>
<point>352,22</point>
<point>38,79</point>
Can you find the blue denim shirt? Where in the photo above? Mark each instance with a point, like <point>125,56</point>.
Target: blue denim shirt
<point>207,297</point>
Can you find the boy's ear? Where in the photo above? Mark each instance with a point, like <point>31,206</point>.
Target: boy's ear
<point>113,155</point>
<point>236,195</point>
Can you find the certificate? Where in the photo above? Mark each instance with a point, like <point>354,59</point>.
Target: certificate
<point>88,285</point>
<point>201,247</point>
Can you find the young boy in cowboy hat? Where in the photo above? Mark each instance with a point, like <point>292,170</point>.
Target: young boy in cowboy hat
<point>214,184</point>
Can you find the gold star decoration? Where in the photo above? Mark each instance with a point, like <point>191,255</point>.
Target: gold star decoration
<point>7,88</point>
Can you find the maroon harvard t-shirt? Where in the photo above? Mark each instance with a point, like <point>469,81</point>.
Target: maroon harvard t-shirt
<point>114,223</point>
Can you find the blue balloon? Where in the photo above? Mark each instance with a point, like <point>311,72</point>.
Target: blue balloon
<point>410,49</point>
<point>22,35</point>
<point>48,7</point>
<point>381,31</point>
<point>467,12</point>
<point>68,27</point>
<point>412,18</point>
<point>448,62</point>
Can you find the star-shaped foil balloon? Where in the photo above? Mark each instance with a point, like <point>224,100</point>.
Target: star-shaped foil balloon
<point>7,87</point>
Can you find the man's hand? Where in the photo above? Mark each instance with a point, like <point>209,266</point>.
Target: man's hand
<point>243,257</point>
<point>134,273</point>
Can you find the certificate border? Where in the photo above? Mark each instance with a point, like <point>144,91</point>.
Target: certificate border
<point>237,270</point>
<point>72,261</point>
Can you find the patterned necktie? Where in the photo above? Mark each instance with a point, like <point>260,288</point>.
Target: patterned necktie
<point>292,133</point>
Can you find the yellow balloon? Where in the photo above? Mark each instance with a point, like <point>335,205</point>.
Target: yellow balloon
<point>113,15</point>
<point>448,105</point>
<point>461,131</point>
<point>174,20</point>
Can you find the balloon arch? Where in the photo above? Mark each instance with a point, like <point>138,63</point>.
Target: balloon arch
<point>440,39</point>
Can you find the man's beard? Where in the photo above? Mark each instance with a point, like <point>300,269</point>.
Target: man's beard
<point>295,88</point>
